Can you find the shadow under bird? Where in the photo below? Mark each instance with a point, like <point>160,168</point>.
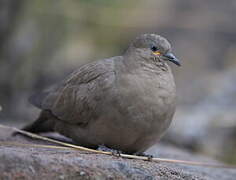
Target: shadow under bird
<point>125,102</point>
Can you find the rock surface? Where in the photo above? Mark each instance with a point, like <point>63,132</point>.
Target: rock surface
<point>44,163</point>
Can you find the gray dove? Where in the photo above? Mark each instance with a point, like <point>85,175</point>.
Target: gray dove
<point>124,102</point>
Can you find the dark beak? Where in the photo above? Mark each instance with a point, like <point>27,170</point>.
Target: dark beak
<point>171,57</point>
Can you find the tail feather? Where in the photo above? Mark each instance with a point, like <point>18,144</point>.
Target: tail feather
<point>44,123</point>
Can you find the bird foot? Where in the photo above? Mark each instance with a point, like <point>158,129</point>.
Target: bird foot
<point>113,151</point>
<point>149,156</point>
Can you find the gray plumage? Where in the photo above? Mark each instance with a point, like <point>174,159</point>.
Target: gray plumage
<point>125,102</point>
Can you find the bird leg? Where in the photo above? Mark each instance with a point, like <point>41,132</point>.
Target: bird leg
<point>149,156</point>
<point>107,149</point>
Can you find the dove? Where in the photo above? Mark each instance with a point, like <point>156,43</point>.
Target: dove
<point>124,102</point>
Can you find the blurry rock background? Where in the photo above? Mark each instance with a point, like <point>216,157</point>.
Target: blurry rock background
<point>41,41</point>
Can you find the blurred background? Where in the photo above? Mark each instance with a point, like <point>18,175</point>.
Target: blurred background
<point>42,41</point>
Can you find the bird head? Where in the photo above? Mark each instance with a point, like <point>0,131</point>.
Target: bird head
<point>152,46</point>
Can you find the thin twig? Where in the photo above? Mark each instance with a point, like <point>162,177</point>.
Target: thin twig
<point>71,146</point>
<point>12,143</point>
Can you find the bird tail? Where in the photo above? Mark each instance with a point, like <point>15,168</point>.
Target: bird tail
<point>44,123</point>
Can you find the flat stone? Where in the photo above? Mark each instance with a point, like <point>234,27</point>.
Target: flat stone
<point>43,163</point>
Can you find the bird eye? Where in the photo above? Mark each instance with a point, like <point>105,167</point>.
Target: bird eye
<point>154,48</point>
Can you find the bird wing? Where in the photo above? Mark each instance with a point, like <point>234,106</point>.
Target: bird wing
<point>77,98</point>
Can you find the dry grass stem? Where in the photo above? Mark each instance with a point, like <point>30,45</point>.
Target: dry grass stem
<point>67,146</point>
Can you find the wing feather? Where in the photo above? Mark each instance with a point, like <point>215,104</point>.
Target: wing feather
<point>76,99</point>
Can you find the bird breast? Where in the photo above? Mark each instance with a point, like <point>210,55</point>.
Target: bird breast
<point>147,96</point>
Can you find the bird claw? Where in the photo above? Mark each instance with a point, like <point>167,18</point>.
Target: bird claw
<point>117,153</point>
<point>113,151</point>
<point>149,156</point>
